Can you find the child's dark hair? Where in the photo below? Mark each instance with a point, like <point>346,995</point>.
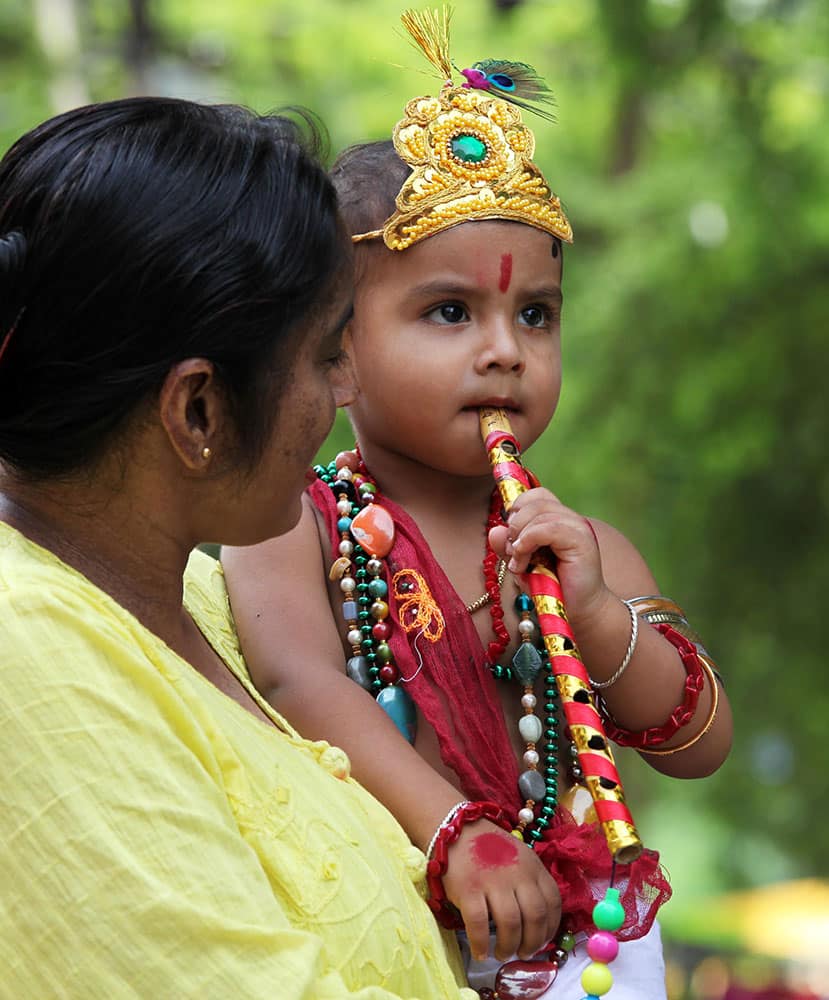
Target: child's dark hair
<point>368,178</point>
<point>137,233</point>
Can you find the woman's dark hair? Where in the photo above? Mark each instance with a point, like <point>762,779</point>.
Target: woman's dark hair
<point>137,233</point>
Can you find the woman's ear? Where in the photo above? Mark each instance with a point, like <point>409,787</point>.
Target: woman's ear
<point>192,412</point>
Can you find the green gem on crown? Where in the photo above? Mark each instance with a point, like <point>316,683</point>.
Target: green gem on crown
<point>468,148</point>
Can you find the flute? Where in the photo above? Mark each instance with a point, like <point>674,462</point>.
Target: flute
<point>574,688</point>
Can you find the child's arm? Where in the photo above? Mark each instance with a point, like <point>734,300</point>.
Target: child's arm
<point>598,568</point>
<point>292,646</point>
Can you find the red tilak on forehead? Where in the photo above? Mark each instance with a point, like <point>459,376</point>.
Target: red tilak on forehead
<point>491,850</point>
<point>506,271</point>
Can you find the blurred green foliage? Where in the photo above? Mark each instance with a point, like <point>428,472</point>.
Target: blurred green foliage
<point>691,153</point>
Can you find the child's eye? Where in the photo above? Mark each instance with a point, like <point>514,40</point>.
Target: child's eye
<point>448,313</point>
<point>535,316</point>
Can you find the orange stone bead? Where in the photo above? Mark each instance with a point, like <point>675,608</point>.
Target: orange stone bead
<point>349,459</point>
<point>373,528</point>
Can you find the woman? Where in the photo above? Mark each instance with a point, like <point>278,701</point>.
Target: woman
<point>174,283</point>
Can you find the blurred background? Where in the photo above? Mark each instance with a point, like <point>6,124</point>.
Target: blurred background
<point>692,155</point>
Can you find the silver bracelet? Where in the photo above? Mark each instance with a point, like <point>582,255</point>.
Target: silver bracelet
<point>446,819</point>
<point>634,635</point>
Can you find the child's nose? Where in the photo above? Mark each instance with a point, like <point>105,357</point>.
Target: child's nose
<point>501,348</point>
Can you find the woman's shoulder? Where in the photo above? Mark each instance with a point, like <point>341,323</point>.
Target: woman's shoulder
<point>34,582</point>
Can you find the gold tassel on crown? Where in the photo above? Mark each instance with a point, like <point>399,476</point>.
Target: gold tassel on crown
<point>470,153</point>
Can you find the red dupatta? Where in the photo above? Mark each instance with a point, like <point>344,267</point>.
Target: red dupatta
<point>454,690</point>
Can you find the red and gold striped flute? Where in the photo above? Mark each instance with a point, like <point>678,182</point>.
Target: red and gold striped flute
<point>574,688</point>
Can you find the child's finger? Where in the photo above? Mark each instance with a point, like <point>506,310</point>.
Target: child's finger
<point>568,535</point>
<point>535,920</point>
<point>519,521</point>
<point>476,923</point>
<point>552,899</point>
<point>539,494</point>
<point>506,915</point>
<point>560,535</point>
<point>499,540</point>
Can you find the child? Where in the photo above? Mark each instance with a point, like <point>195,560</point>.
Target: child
<point>459,260</point>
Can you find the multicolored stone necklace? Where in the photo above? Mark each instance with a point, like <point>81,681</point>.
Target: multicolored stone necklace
<point>366,538</point>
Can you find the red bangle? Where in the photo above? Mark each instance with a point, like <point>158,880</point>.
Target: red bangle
<point>681,715</point>
<point>437,865</point>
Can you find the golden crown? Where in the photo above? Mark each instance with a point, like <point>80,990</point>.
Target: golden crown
<point>470,153</point>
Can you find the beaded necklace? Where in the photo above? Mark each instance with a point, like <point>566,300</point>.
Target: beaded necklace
<point>366,538</point>
<point>539,790</point>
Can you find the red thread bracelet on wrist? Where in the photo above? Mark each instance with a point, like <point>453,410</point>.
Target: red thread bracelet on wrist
<point>438,864</point>
<point>681,715</point>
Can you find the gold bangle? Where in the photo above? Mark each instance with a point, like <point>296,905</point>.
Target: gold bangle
<point>715,700</point>
<point>655,610</point>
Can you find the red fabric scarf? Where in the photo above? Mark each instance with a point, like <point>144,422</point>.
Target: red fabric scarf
<point>455,692</point>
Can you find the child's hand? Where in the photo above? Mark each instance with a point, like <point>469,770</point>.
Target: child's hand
<point>494,876</point>
<point>539,519</point>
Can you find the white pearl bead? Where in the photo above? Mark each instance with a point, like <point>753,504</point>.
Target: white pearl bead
<point>531,758</point>
<point>343,507</point>
<point>529,700</point>
<point>346,547</point>
<point>374,566</point>
<point>348,584</point>
<point>526,816</point>
<point>526,627</point>
<point>355,637</point>
<point>345,473</point>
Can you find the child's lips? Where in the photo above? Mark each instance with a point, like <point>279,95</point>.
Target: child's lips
<point>499,403</point>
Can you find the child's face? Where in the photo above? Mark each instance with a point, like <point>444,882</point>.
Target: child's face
<point>467,318</point>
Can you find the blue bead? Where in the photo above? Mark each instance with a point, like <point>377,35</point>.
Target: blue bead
<point>349,609</point>
<point>378,588</point>
<point>398,705</point>
<point>343,524</point>
<point>523,603</point>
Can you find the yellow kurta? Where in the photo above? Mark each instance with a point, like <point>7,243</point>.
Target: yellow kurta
<point>157,840</point>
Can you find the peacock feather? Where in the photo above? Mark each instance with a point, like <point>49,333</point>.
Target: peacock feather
<point>516,82</point>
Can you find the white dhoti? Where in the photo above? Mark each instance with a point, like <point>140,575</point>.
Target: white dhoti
<point>638,970</point>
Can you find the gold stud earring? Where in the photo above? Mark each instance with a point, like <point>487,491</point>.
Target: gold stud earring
<point>206,453</point>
